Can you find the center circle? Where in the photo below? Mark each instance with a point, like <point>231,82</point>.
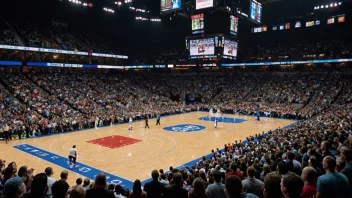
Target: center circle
<point>184,128</point>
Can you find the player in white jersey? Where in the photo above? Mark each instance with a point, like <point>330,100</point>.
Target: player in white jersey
<point>73,156</point>
<point>130,122</point>
<point>210,113</point>
<point>96,123</point>
<point>216,123</point>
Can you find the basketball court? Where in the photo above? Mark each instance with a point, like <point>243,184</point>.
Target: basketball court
<point>125,156</point>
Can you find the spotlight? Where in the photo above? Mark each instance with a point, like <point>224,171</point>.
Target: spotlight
<point>321,6</point>
<point>335,4</point>
<point>331,5</point>
<point>119,3</point>
<point>317,7</point>
<point>115,2</point>
<point>340,3</point>
<point>326,6</point>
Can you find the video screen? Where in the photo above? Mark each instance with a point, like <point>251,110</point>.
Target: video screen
<point>309,23</point>
<point>331,21</point>
<point>317,22</point>
<point>200,4</point>
<point>287,26</point>
<point>282,27</point>
<point>255,11</point>
<point>167,5</point>
<point>274,28</point>
<point>204,46</point>
<point>197,22</point>
<point>230,48</point>
<point>298,24</point>
<point>265,29</point>
<point>341,19</point>
<point>233,25</point>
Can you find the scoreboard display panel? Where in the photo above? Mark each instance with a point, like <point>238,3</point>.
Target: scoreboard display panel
<point>255,11</point>
<point>201,4</point>
<point>233,25</point>
<point>202,46</point>
<point>230,48</point>
<point>197,23</point>
<point>169,5</point>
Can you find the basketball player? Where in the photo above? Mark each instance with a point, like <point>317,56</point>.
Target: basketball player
<point>73,156</point>
<point>96,122</point>
<point>158,119</point>
<point>146,122</point>
<point>130,122</point>
<point>258,117</point>
<point>216,123</point>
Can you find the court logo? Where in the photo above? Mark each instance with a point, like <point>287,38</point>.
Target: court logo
<point>184,128</point>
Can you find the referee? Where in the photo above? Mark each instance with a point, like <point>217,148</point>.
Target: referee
<point>146,121</point>
<point>158,119</point>
<point>6,132</point>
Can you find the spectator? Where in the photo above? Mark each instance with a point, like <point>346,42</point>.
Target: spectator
<point>137,190</point>
<point>309,177</point>
<point>346,154</point>
<point>78,183</point>
<point>78,192</point>
<point>164,180</point>
<point>111,187</point>
<point>332,184</point>
<point>272,187</point>
<point>49,173</point>
<point>14,188</point>
<point>291,185</point>
<point>234,189</point>
<point>216,190</point>
<point>251,184</point>
<point>118,191</point>
<point>198,190</point>
<point>100,188</point>
<point>86,183</point>
<point>60,189</point>
<point>235,171</point>
<point>39,186</point>
<point>154,189</point>
<point>64,175</point>
<point>176,190</point>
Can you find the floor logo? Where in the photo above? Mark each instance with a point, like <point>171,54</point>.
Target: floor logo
<point>185,128</point>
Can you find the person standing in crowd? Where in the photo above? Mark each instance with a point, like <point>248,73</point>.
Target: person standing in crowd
<point>309,176</point>
<point>291,185</point>
<point>216,190</point>
<point>99,189</point>
<point>154,189</point>
<point>137,190</point>
<point>39,187</point>
<point>251,184</point>
<point>176,190</point>
<point>49,173</point>
<point>14,188</point>
<point>73,156</point>
<point>60,189</point>
<point>332,184</point>
<point>198,190</point>
<point>272,187</point>
<point>346,154</point>
<point>234,189</point>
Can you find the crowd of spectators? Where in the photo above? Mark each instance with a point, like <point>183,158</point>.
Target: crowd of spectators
<point>311,158</point>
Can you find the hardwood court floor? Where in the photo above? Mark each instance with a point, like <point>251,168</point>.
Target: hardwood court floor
<point>157,149</point>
